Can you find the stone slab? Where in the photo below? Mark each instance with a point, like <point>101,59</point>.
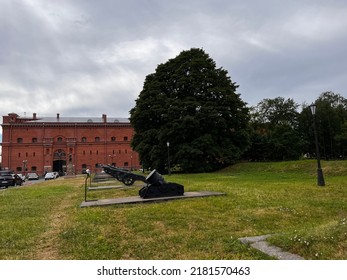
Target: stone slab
<point>260,243</point>
<point>138,199</point>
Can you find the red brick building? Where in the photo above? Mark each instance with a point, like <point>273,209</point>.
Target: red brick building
<point>43,144</point>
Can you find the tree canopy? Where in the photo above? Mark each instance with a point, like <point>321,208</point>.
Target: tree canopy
<point>281,132</point>
<point>274,125</point>
<point>192,105</point>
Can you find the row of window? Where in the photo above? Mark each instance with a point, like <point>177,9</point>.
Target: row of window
<point>84,153</point>
<point>83,139</point>
<point>84,167</point>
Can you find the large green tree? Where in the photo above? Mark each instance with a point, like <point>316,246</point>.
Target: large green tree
<point>194,106</point>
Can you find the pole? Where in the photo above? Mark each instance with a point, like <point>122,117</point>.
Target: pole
<point>168,158</point>
<point>320,177</point>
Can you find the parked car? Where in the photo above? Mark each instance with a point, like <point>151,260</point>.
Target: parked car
<point>32,176</point>
<point>6,180</point>
<point>50,176</point>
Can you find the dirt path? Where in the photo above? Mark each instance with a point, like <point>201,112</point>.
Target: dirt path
<point>47,244</point>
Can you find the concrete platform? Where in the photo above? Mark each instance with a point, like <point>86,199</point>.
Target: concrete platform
<point>138,199</point>
<point>109,187</point>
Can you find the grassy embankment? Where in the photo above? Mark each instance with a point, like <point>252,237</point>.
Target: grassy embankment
<point>45,221</point>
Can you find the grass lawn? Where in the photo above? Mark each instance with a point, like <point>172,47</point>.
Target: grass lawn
<point>45,221</point>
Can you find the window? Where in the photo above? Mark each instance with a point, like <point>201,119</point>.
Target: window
<point>34,154</point>
<point>125,138</point>
<point>126,163</point>
<point>84,166</point>
<point>97,139</point>
<point>59,139</point>
<point>19,140</point>
<point>18,154</point>
<point>33,168</point>
<point>84,139</point>
<point>34,140</point>
<point>19,169</point>
<point>47,151</point>
<point>84,153</point>
<point>97,152</point>
<point>113,139</point>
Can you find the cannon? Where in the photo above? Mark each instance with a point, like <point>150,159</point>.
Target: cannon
<point>123,175</point>
<point>158,187</point>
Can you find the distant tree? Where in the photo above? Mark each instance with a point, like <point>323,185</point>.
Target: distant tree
<point>277,111</point>
<point>331,115</point>
<point>275,135</point>
<point>194,106</point>
<point>341,141</point>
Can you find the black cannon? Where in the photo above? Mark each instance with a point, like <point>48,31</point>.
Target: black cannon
<point>123,175</point>
<point>157,187</point>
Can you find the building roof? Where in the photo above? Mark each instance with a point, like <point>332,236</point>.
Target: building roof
<point>77,120</point>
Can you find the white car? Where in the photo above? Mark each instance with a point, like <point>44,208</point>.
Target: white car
<point>32,176</point>
<point>50,176</point>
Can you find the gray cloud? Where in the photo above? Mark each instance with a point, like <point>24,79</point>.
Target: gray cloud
<point>86,58</point>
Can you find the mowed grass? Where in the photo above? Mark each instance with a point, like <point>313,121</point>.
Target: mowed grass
<point>45,221</point>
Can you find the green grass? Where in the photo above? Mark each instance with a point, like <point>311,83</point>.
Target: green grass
<point>44,221</point>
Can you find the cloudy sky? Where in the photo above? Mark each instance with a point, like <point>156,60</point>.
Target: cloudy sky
<point>90,57</point>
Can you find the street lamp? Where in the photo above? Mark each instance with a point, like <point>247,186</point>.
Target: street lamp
<point>24,167</point>
<point>168,157</point>
<point>320,177</point>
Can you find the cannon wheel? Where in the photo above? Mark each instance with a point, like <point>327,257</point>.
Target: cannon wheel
<point>128,181</point>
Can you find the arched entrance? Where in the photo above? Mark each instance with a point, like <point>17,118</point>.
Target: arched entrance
<point>59,161</point>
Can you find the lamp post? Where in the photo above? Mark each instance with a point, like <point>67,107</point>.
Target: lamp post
<point>320,177</point>
<point>168,157</point>
<point>24,167</point>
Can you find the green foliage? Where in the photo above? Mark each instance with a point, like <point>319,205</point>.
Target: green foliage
<point>194,106</point>
<point>275,135</point>
<point>280,132</point>
<point>331,115</point>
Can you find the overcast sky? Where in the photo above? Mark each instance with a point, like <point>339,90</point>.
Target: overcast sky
<point>90,57</point>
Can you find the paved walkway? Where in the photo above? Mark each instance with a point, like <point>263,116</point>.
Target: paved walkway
<point>138,199</point>
<point>260,243</point>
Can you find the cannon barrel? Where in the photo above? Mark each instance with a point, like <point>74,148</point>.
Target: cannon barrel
<point>123,175</point>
